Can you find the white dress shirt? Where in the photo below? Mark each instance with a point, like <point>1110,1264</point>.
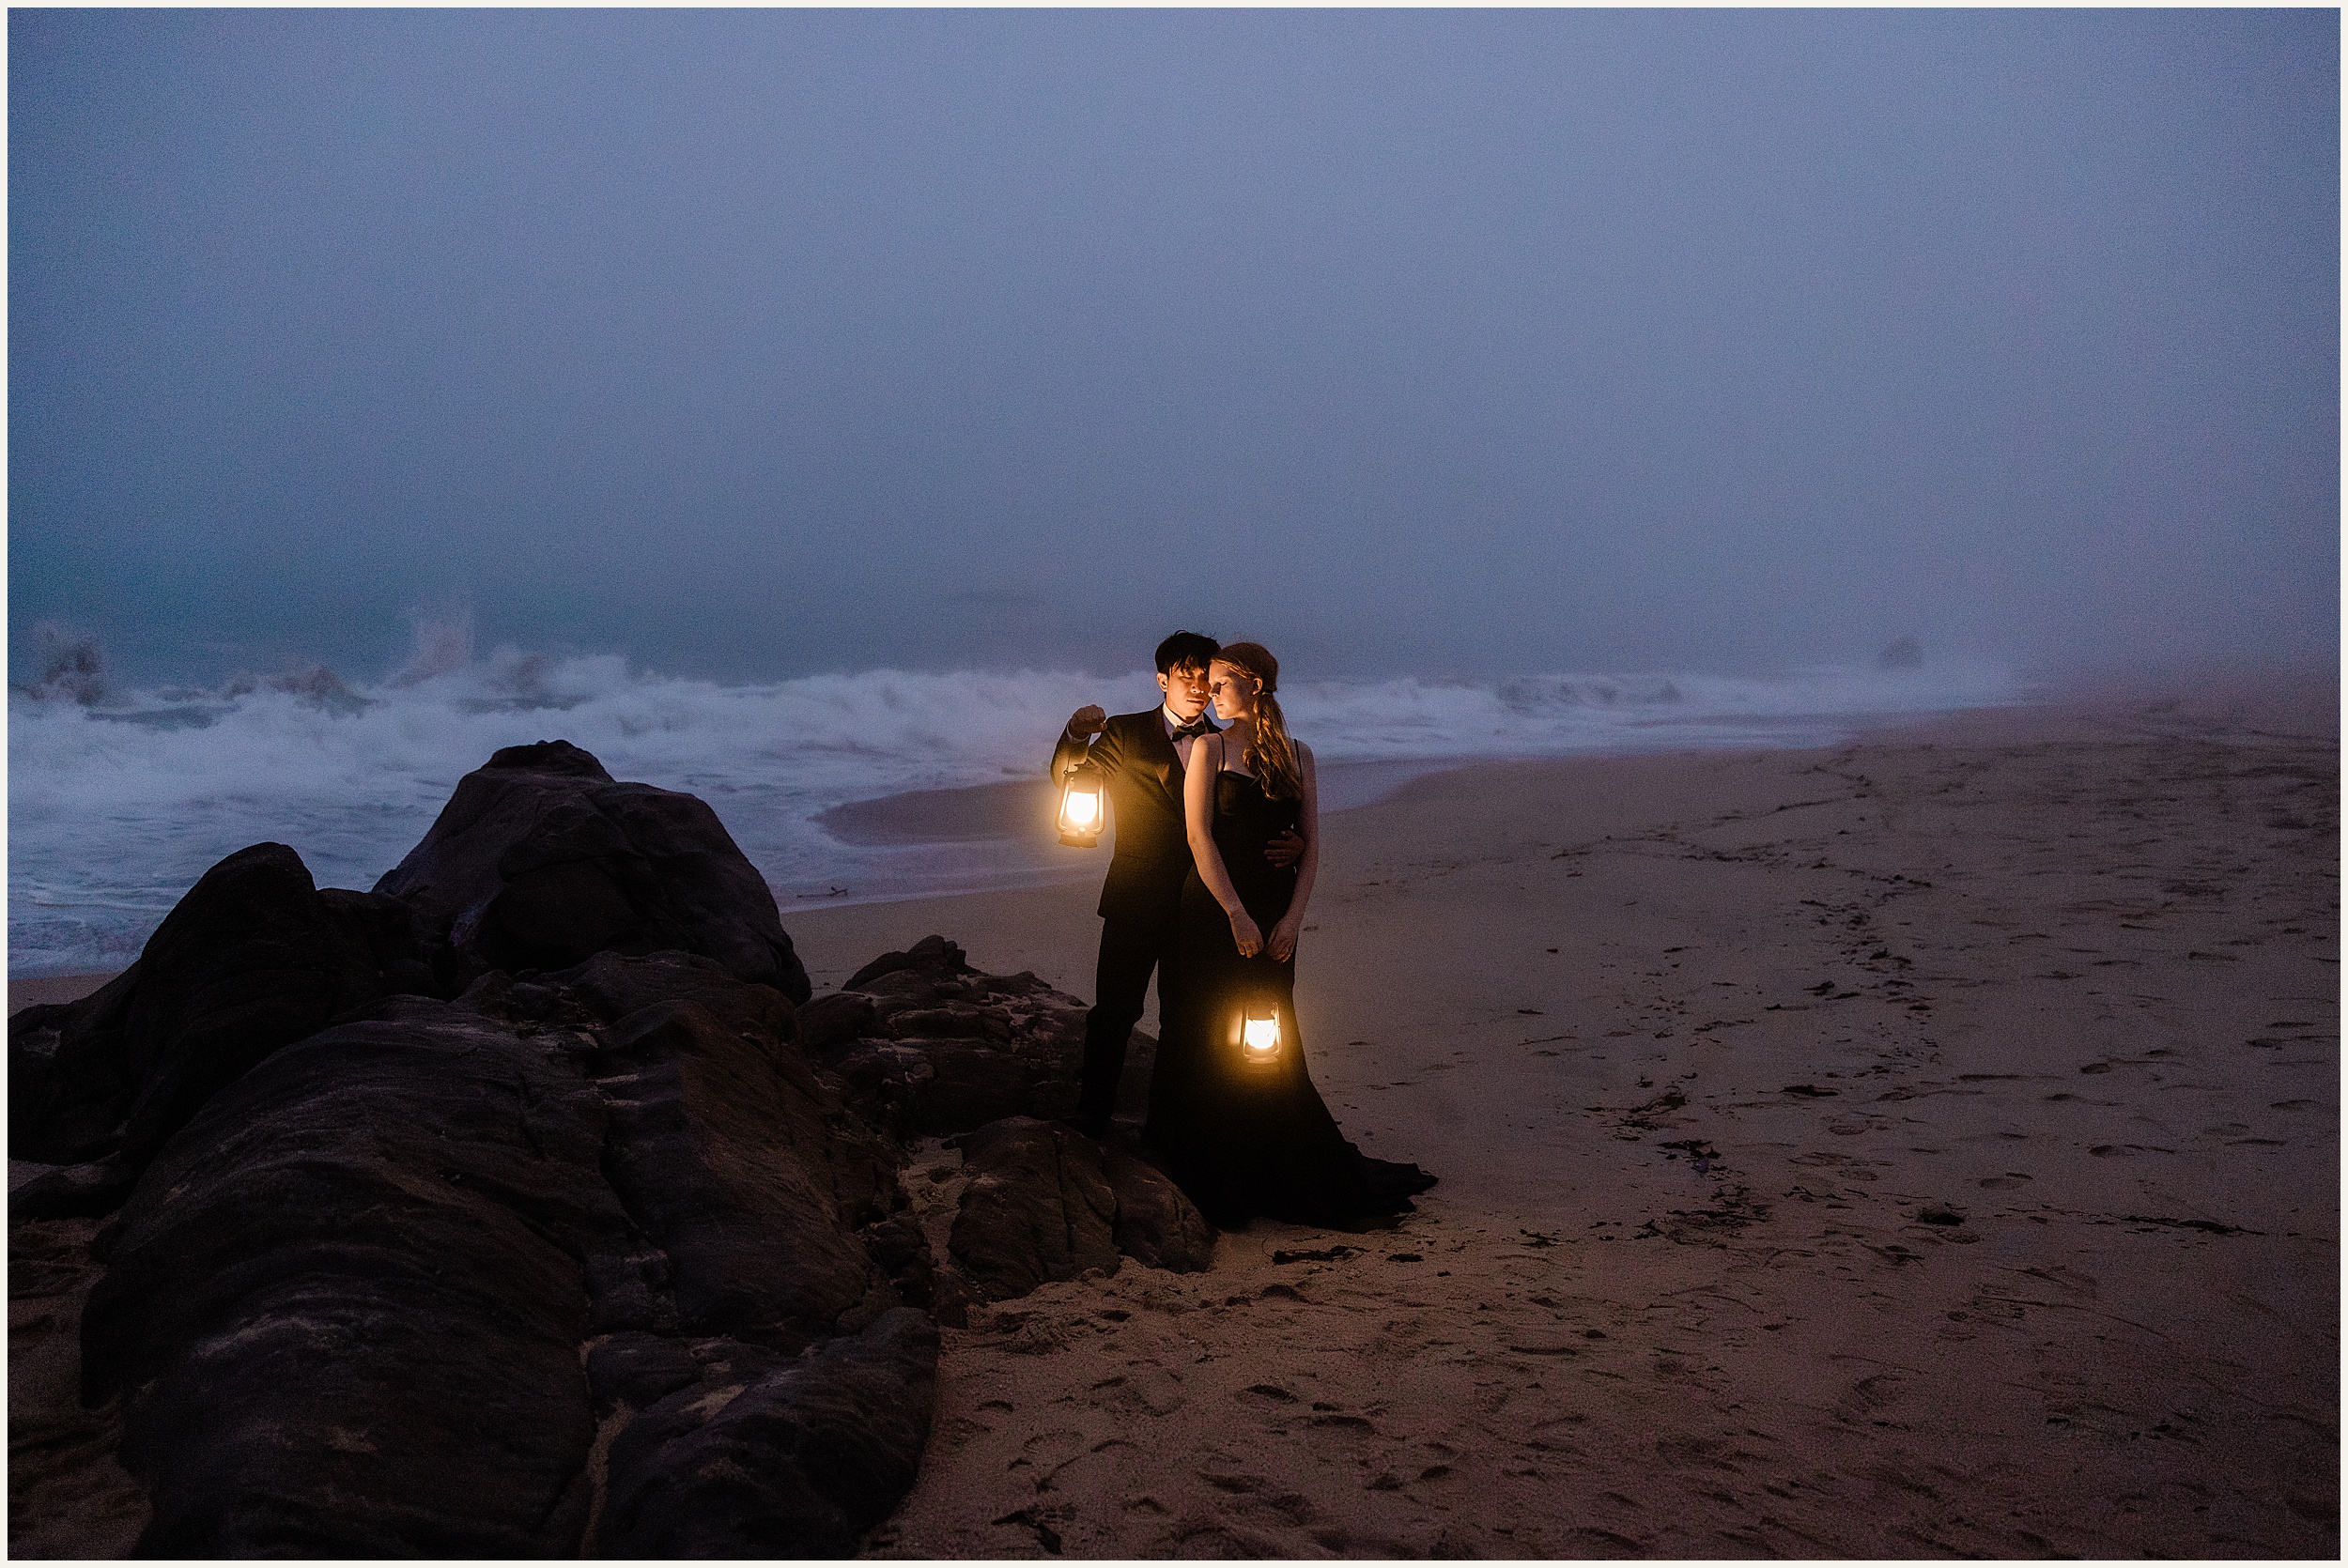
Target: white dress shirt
<point>1183,744</point>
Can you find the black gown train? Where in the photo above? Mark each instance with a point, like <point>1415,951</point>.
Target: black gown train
<point>1245,1135</point>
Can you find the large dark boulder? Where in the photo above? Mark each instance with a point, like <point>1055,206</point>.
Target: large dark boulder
<point>403,1276</point>
<point>346,1304</point>
<point>927,1046</point>
<point>68,1085</point>
<point>613,987</point>
<point>1156,1223</point>
<point>723,1156</point>
<point>540,859</point>
<point>394,940</point>
<point>793,1461</point>
<point>254,958</point>
<point>1046,1203</point>
<point>374,1298</point>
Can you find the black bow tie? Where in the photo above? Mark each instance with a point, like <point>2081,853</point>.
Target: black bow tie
<point>1203,724</point>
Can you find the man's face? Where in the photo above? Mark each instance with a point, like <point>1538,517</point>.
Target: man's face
<point>1185,688</point>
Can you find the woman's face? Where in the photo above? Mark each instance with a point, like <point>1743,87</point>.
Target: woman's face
<point>1233,693</point>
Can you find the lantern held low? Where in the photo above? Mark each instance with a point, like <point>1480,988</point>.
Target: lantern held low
<point>1083,805</point>
<point>1260,1034</point>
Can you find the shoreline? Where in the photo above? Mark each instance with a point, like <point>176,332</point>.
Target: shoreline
<point>2153,704</point>
<point>913,845</point>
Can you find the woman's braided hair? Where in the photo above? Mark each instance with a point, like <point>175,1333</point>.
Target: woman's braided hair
<point>1270,757</point>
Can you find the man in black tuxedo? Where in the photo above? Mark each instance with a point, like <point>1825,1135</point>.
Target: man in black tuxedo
<point>1143,755</point>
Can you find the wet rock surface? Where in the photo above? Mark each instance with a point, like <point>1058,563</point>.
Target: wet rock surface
<point>615,1257</point>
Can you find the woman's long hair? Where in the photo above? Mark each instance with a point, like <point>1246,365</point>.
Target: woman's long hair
<point>1270,757</point>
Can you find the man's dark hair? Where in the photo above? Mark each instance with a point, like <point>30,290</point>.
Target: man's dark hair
<point>1186,650</point>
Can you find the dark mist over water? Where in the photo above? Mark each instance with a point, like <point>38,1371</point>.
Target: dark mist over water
<point>754,344</point>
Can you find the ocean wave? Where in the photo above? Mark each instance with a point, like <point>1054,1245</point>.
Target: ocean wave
<point>120,799</point>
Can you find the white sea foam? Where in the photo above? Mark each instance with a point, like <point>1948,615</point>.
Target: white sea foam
<point>116,808</point>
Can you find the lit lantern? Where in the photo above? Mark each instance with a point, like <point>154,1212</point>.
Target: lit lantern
<point>1082,805</point>
<point>1260,1034</point>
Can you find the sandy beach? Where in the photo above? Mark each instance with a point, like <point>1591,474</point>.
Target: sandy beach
<point>1928,1146</point>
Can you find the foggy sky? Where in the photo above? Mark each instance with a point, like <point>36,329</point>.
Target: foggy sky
<point>754,344</point>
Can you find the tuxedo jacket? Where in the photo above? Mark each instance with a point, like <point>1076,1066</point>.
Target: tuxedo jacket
<point>1145,790</point>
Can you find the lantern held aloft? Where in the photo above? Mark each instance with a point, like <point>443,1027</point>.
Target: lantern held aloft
<point>1083,805</point>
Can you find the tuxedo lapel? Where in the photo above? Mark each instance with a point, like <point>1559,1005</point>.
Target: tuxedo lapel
<point>1157,753</point>
<point>1145,877</point>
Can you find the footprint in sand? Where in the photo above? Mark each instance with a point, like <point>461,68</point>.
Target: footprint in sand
<point>1863,1399</point>
<point>1045,1454</point>
<point>1144,1386</point>
<point>2069,1281</point>
<point>1555,1435</point>
<point>1332,1419</point>
<point>1254,1494</point>
<point>1206,1535</point>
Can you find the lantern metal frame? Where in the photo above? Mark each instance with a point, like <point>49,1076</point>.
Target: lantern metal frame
<point>1083,776</point>
<point>1260,1034</point>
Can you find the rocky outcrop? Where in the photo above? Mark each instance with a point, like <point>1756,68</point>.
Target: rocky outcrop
<point>254,958</point>
<point>790,1460</point>
<point>831,1145</point>
<point>540,860</point>
<point>1046,1203</point>
<point>926,1046</point>
<point>929,1047</point>
<point>608,1257</point>
<point>346,1304</point>
<point>724,1162</point>
<point>372,1299</point>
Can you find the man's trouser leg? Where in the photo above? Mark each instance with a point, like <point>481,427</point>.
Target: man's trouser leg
<point>1121,986</point>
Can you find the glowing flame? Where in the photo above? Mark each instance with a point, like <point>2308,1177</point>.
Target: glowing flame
<point>1262,1035</point>
<point>1082,810</point>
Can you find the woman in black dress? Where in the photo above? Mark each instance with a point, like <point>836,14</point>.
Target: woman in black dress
<point>1232,1104</point>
